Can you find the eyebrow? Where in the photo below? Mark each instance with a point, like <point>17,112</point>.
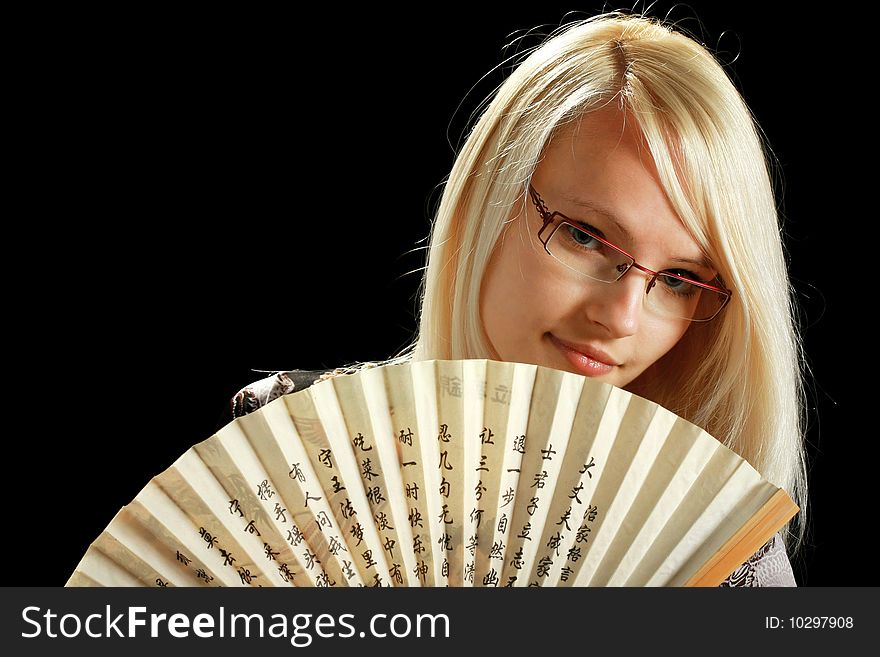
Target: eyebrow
<point>609,214</point>
<point>596,207</point>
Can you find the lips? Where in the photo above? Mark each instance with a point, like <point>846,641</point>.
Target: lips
<point>586,359</point>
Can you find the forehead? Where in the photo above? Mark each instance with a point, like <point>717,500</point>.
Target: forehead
<point>601,164</point>
<point>600,152</point>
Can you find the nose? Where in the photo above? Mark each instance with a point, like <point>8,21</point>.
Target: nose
<point>618,307</point>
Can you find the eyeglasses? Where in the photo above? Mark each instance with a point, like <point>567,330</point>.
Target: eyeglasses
<point>582,250</point>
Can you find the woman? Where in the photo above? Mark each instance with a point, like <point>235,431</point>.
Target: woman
<point>612,214</point>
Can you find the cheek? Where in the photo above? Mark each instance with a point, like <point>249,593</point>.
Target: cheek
<point>494,312</point>
<point>677,332</point>
<point>519,298</point>
<point>507,294</point>
<point>655,341</point>
<point>662,337</point>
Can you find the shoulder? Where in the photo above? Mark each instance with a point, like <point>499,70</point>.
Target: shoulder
<point>769,566</point>
<point>261,392</point>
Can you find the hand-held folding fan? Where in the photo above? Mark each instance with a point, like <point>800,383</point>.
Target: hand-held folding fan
<point>445,473</point>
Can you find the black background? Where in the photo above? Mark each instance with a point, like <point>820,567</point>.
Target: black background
<point>200,196</point>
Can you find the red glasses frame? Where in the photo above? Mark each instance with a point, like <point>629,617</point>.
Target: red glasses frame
<point>555,219</point>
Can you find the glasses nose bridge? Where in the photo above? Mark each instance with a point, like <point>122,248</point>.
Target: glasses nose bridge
<point>650,273</point>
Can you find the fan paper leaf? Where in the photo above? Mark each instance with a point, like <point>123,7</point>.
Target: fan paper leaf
<point>445,473</point>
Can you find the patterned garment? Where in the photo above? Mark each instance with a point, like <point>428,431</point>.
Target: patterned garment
<point>769,566</point>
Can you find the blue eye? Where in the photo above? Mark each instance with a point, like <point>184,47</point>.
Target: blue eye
<point>672,282</point>
<point>679,287</point>
<point>580,237</point>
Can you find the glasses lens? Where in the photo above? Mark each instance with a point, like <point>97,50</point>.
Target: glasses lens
<point>582,252</point>
<point>670,296</point>
<point>676,297</point>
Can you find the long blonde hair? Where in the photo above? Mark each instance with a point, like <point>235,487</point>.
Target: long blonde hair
<point>738,376</point>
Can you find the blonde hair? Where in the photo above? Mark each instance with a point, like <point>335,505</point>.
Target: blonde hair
<point>738,376</point>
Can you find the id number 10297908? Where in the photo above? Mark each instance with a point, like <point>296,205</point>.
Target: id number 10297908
<point>808,622</point>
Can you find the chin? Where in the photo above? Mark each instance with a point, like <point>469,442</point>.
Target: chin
<point>638,385</point>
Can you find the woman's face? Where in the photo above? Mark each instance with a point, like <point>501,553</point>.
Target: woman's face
<point>532,306</point>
